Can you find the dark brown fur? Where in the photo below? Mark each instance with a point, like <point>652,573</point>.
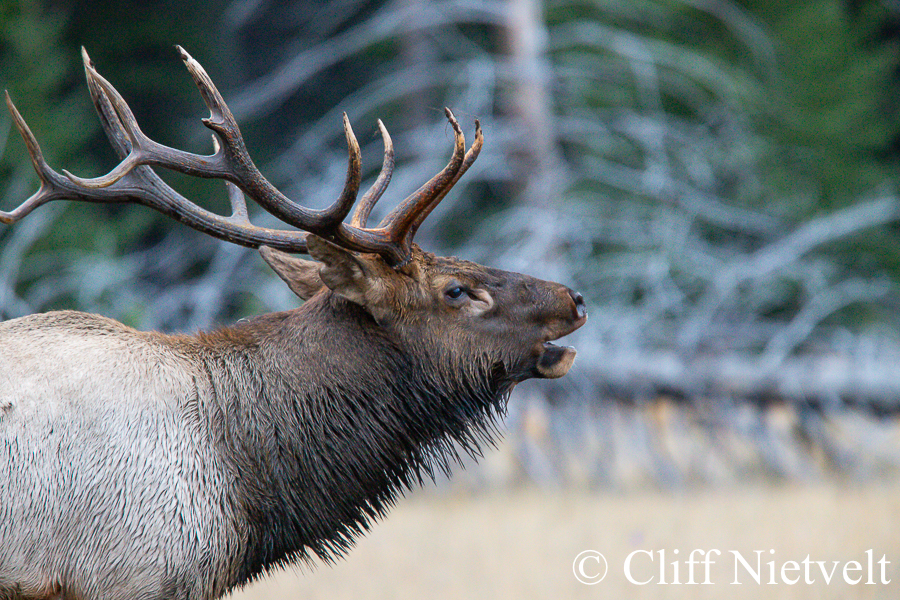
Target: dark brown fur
<point>289,432</point>
<point>143,465</point>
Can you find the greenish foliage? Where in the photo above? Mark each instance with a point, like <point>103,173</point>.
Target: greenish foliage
<point>834,117</point>
<point>833,112</point>
<point>734,124</point>
<point>40,63</point>
<point>713,128</point>
<point>37,70</point>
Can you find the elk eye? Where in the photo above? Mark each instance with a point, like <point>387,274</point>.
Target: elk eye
<point>455,293</point>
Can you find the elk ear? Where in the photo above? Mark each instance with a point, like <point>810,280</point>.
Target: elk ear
<point>344,273</point>
<point>302,276</point>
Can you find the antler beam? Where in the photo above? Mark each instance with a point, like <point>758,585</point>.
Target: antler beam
<point>134,181</point>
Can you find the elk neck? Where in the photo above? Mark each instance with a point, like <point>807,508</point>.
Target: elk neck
<point>326,417</point>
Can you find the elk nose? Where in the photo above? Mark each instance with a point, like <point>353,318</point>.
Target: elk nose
<point>580,306</point>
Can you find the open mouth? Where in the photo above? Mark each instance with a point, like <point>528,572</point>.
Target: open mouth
<point>555,361</point>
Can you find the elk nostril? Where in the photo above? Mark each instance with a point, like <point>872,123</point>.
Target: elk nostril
<point>580,306</point>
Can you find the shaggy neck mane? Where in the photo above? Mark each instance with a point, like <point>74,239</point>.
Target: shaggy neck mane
<point>365,422</point>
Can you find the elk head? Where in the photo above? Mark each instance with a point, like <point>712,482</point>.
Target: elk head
<point>445,305</point>
<point>457,304</point>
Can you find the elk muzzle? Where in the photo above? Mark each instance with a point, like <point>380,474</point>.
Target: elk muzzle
<point>555,361</point>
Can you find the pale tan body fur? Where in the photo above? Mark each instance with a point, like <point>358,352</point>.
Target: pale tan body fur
<point>64,400</point>
<point>147,466</point>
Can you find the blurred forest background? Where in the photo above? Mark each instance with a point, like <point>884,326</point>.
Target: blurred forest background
<point>719,179</point>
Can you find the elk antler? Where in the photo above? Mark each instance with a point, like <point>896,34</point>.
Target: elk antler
<point>134,181</point>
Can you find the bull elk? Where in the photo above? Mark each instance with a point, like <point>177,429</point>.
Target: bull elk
<point>143,465</point>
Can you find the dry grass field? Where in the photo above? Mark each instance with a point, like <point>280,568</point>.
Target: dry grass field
<point>522,545</point>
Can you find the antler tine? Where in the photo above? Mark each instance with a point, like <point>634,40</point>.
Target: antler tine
<point>49,178</point>
<point>109,120</point>
<point>364,208</point>
<point>402,218</point>
<point>125,124</point>
<point>134,181</point>
<point>470,157</point>
<point>140,185</point>
<point>235,196</point>
<point>341,207</point>
<point>240,169</point>
<point>231,161</point>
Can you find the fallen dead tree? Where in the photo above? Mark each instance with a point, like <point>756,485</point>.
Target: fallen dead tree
<point>824,381</point>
